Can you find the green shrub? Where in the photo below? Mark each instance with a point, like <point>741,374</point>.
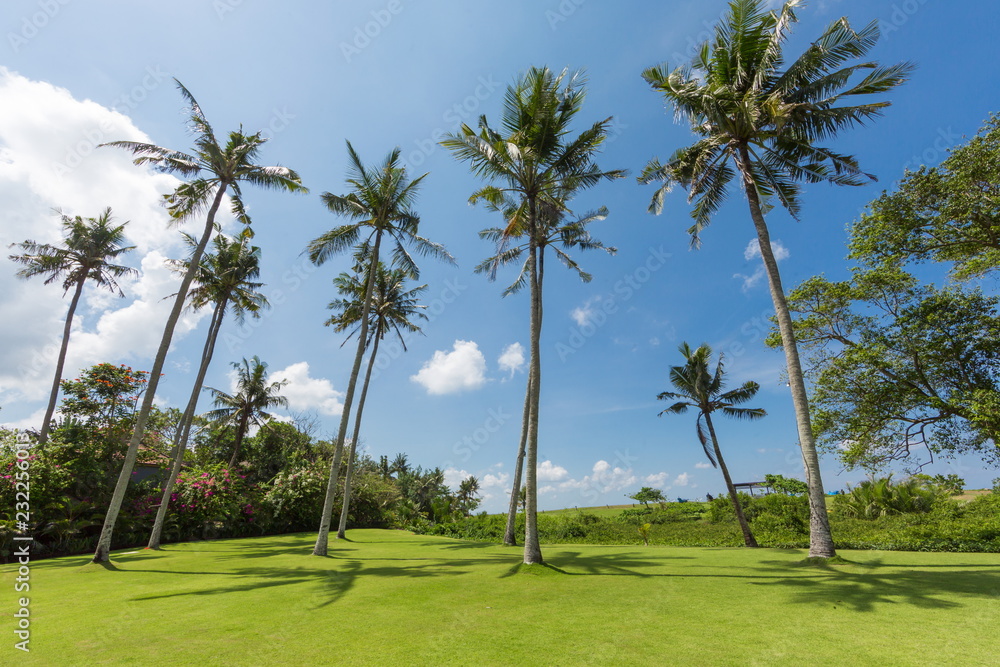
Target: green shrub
<point>874,498</point>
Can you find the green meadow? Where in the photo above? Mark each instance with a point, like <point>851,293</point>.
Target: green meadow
<point>393,598</point>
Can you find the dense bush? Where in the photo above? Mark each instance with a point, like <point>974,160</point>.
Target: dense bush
<point>874,498</point>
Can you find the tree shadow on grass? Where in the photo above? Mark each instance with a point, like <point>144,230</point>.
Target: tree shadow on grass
<point>576,563</point>
<point>863,586</point>
<point>332,584</point>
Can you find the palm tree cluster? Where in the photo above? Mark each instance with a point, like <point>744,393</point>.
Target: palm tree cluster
<point>756,118</point>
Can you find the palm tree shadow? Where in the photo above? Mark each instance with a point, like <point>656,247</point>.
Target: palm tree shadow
<point>333,584</point>
<point>863,586</point>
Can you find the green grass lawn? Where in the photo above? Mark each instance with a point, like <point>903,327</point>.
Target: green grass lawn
<point>392,598</point>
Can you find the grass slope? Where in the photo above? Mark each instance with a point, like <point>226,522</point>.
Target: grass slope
<point>392,598</point>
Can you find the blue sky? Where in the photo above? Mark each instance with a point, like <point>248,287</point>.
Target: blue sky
<point>397,72</point>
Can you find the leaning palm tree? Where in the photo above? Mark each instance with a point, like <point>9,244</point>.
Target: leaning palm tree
<point>553,231</point>
<point>215,170</point>
<point>760,121</point>
<point>702,389</point>
<point>226,280</point>
<point>391,310</point>
<point>533,164</point>
<point>90,246</point>
<point>248,406</point>
<point>380,207</point>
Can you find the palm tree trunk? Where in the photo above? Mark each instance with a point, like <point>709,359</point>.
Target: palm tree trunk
<point>103,551</point>
<point>322,540</point>
<point>748,538</point>
<point>241,431</point>
<point>43,435</point>
<point>510,534</point>
<point>820,538</point>
<point>532,548</point>
<point>180,442</point>
<point>345,505</point>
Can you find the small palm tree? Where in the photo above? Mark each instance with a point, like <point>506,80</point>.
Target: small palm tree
<point>225,279</point>
<point>468,494</point>
<point>760,121</point>
<point>215,170</point>
<point>702,390</point>
<point>532,167</point>
<point>551,231</point>
<point>392,308</point>
<point>87,253</point>
<point>380,206</point>
<point>248,406</point>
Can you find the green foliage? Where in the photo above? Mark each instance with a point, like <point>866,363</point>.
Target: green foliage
<point>942,214</point>
<point>787,485</point>
<point>104,395</point>
<point>874,498</point>
<point>648,494</point>
<point>295,498</point>
<point>898,366</point>
<point>951,483</point>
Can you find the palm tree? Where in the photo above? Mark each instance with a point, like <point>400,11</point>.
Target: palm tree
<point>379,205</point>
<point>391,309</point>
<point>90,245</point>
<point>533,167</point>
<point>703,391</point>
<point>468,494</point>
<point>249,404</point>
<point>225,279</point>
<point>761,122</point>
<point>551,231</point>
<point>214,169</point>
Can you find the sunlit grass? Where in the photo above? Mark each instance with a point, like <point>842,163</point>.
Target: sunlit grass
<point>392,598</point>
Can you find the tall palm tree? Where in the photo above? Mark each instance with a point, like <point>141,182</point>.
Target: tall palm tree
<point>702,390</point>
<point>380,207</point>
<point>392,308</point>
<point>226,280</point>
<point>215,170</point>
<point>533,164</point>
<point>760,121</point>
<point>248,406</point>
<point>87,253</point>
<point>552,231</point>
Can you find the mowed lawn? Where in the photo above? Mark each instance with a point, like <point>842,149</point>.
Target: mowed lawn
<point>392,598</point>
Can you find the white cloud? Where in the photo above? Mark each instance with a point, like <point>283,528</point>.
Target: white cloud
<point>453,477</point>
<point>603,478</point>
<point>658,480</point>
<point>682,479</point>
<point>585,313</point>
<point>49,160</point>
<point>512,359</point>
<point>752,252</point>
<point>702,465</point>
<point>308,393</point>
<point>549,472</point>
<point>464,368</point>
